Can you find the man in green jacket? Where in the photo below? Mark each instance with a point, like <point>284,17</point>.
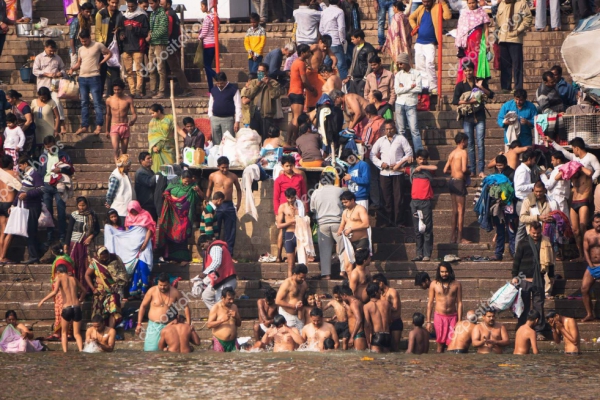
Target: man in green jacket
<point>158,39</point>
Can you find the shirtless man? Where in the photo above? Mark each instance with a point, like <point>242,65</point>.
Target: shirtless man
<point>418,338</point>
<point>581,207</point>
<point>355,226</point>
<point>332,81</point>
<point>290,295</point>
<point>282,336</point>
<point>457,186</point>
<point>176,337</point>
<point>447,295</point>
<point>68,287</point>
<point>377,317</point>
<point>354,108</point>
<point>319,50</point>
<point>224,181</point>
<point>224,319</point>
<point>391,294</point>
<point>266,312</point>
<point>118,127</point>
<point>513,154</point>
<point>360,275</point>
<point>423,280</point>
<point>315,333</point>
<point>286,220</point>
<point>526,337</point>
<point>564,328</point>
<point>99,333</point>
<point>9,186</point>
<point>340,320</point>
<point>591,250</point>
<point>490,336</point>
<point>162,302</point>
<point>461,339</point>
<point>356,319</point>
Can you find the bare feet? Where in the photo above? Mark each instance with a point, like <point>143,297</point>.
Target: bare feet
<point>82,130</point>
<point>588,318</point>
<point>481,175</point>
<point>465,241</point>
<point>98,130</point>
<point>234,261</point>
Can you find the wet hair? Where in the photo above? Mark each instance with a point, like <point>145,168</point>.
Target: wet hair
<point>528,155</point>
<point>118,83</point>
<point>228,290</point>
<point>85,34</point>
<point>418,319</point>
<point>290,192</point>
<point>316,312</point>
<point>288,160</point>
<point>7,161</point>
<point>254,17</point>
<point>346,290</point>
<point>532,315</point>
<point>62,269</point>
<point>279,320</point>
<point>337,289</point>
<point>549,314</point>
<point>327,178</point>
<point>501,159</point>
<point>547,75</point>
<point>44,91</point>
<point>157,108</point>
<point>163,277</point>
<point>82,199</point>
<point>307,294</point>
<point>189,120</point>
<point>423,153</point>
<point>520,94</point>
<point>578,142</point>
<point>514,144</point>
<point>446,265</point>
<point>421,278</point>
<point>270,293</point>
<point>379,277</point>
<point>265,66</point>
<point>375,60</point>
<point>218,196</point>
<point>221,77</point>
<point>327,40</point>
<point>12,118</point>
<point>347,195</point>
<point>9,313</point>
<point>596,214</point>
<point>97,319</point>
<point>370,109</point>
<point>274,131</point>
<point>304,128</point>
<point>460,137</point>
<point>57,249</point>
<point>142,156</point>
<point>557,68</point>
<point>559,156</point>
<point>535,225</point>
<point>372,290</point>
<point>222,161</point>
<point>361,256</point>
<point>302,48</point>
<point>377,95</point>
<point>328,344</point>
<point>358,33</point>
<point>300,269</point>
<point>325,68</point>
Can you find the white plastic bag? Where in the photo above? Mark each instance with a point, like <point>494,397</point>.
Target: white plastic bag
<point>422,226</point>
<point>518,305</point>
<point>504,297</point>
<point>113,61</point>
<point>247,146</point>
<point>45,220</point>
<point>17,221</point>
<point>228,149</point>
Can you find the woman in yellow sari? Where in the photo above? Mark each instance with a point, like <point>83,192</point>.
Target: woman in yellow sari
<point>109,281</point>
<point>161,139</point>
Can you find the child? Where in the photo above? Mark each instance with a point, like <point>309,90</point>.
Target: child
<point>14,140</point>
<point>112,219</point>
<point>266,312</point>
<point>421,205</point>
<point>192,137</point>
<point>457,186</point>
<point>418,338</point>
<point>207,221</point>
<point>340,320</point>
<point>310,301</point>
<point>254,42</point>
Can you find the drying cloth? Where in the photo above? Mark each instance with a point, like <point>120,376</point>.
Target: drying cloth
<point>12,342</point>
<point>514,127</point>
<point>152,335</point>
<point>251,173</point>
<point>126,244</point>
<point>348,249</point>
<point>444,327</point>
<point>541,120</point>
<point>304,240</point>
<point>569,169</point>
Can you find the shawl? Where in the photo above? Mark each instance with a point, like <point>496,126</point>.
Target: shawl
<point>467,22</point>
<point>12,342</point>
<point>398,38</point>
<point>126,244</point>
<point>178,190</point>
<point>160,130</point>
<point>143,217</point>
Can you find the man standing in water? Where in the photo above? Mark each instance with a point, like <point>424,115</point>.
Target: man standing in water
<point>163,302</point>
<point>176,337</point>
<point>118,125</point>
<point>377,317</point>
<point>318,331</point>
<point>68,287</point>
<point>461,340</point>
<point>99,333</point>
<point>391,294</point>
<point>282,336</point>
<point>418,338</point>
<point>567,328</point>
<point>457,186</point>
<point>224,181</point>
<point>526,338</point>
<point>290,295</point>
<point>591,250</point>
<point>224,319</point>
<point>447,295</point>
<point>356,318</point>
<point>490,336</point>
<point>267,309</point>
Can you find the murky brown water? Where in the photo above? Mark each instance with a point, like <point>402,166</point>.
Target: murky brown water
<point>206,374</point>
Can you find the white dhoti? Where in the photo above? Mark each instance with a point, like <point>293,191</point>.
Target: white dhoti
<point>292,320</point>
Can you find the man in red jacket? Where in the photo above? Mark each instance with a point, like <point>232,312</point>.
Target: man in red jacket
<point>220,271</point>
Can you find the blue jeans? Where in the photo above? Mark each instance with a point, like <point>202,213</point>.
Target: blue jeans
<point>385,7</point>
<point>510,223</point>
<point>341,60</point>
<point>209,57</point>
<point>50,193</point>
<point>253,65</point>
<point>408,114</point>
<point>91,85</point>
<point>475,132</point>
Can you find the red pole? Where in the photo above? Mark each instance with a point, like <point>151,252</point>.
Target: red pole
<point>217,58</point>
<point>440,51</point>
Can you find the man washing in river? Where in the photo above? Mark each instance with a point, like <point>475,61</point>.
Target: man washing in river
<point>290,295</point>
<point>224,320</point>
<point>281,336</point>
<point>177,336</point>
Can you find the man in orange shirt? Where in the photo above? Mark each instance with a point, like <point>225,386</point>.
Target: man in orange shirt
<point>298,82</point>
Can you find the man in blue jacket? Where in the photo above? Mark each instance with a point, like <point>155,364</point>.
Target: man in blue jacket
<point>526,112</point>
<point>358,177</point>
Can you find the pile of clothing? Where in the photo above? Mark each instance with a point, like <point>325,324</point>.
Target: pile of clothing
<point>496,200</point>
<point>468,109</point>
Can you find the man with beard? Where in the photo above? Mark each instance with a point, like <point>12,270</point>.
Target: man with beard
<point>162,301</point>
<point>391,294</point>
<point>490,336</point>
<point>267,309</point>
<point>317,332</point>
<point>356,318</point>
<point>461,340</point>
<point>447,295</point>
<point>281,336</point>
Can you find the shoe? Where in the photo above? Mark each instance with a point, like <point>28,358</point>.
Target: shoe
<point>426,258</point>
<point>31,261</point>
<point>158,96</point>
<point>417,258</point>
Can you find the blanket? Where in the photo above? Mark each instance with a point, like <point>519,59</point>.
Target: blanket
<point>129,243</point>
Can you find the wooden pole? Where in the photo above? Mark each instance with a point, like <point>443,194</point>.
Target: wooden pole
<point>217,58</point>
<point>440,40</point>
<point>183,33</point>
<point>175,122</point>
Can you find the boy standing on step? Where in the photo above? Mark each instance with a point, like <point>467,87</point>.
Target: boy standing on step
<point>457,186</point>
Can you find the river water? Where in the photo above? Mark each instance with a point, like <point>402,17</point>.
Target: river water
<point>298,375</point>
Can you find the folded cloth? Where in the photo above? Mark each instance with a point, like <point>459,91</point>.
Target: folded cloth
<point>569,169</point>
<point>12,342</point>
<point>292,320</point>
<point>153,335</point>
<point>444,327</point>
<point>251,173</point>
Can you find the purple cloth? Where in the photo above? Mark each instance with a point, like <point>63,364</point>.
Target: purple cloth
<point>12,342</point>
<point>569,169</point>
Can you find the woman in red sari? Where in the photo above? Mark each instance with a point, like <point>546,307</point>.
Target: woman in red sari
<point>472,24</point>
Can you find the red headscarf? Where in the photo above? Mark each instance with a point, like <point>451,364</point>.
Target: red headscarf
<point>143,217</point>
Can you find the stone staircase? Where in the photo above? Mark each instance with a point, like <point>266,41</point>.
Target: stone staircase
<point>92,156</point>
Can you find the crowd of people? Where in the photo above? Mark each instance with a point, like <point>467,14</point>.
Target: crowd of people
<point>540,196</point>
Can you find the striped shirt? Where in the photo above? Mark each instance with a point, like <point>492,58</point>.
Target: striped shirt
<point>207,34</point>
<point>207,220</point>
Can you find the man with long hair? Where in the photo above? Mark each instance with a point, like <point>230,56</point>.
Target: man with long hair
<point>447,294</point>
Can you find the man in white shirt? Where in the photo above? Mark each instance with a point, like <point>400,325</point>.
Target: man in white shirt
<point>224,108</point>
<point>333,24</point>
<point>407,85</point>
<point>307,23</point>
<point>48,66</point>
<point>558,190</point>
<point>391,153</point>
<point>523,187</point>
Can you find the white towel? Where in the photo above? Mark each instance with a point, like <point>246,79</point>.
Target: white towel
<point>251,173</point>
<point>304,242</point>
<point>349,249</point>
<point>126,244</point>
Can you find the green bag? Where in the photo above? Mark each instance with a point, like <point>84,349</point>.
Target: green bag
<point>483,65</point>
<point>199,56</point>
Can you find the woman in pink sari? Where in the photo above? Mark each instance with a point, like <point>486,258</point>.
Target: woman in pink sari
<point>472,24</point>
<point>398,39</point>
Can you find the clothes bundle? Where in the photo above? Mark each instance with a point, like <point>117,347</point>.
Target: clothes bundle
<point>558,231</point>
<point>497,193</point>
<point>569,169</point>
